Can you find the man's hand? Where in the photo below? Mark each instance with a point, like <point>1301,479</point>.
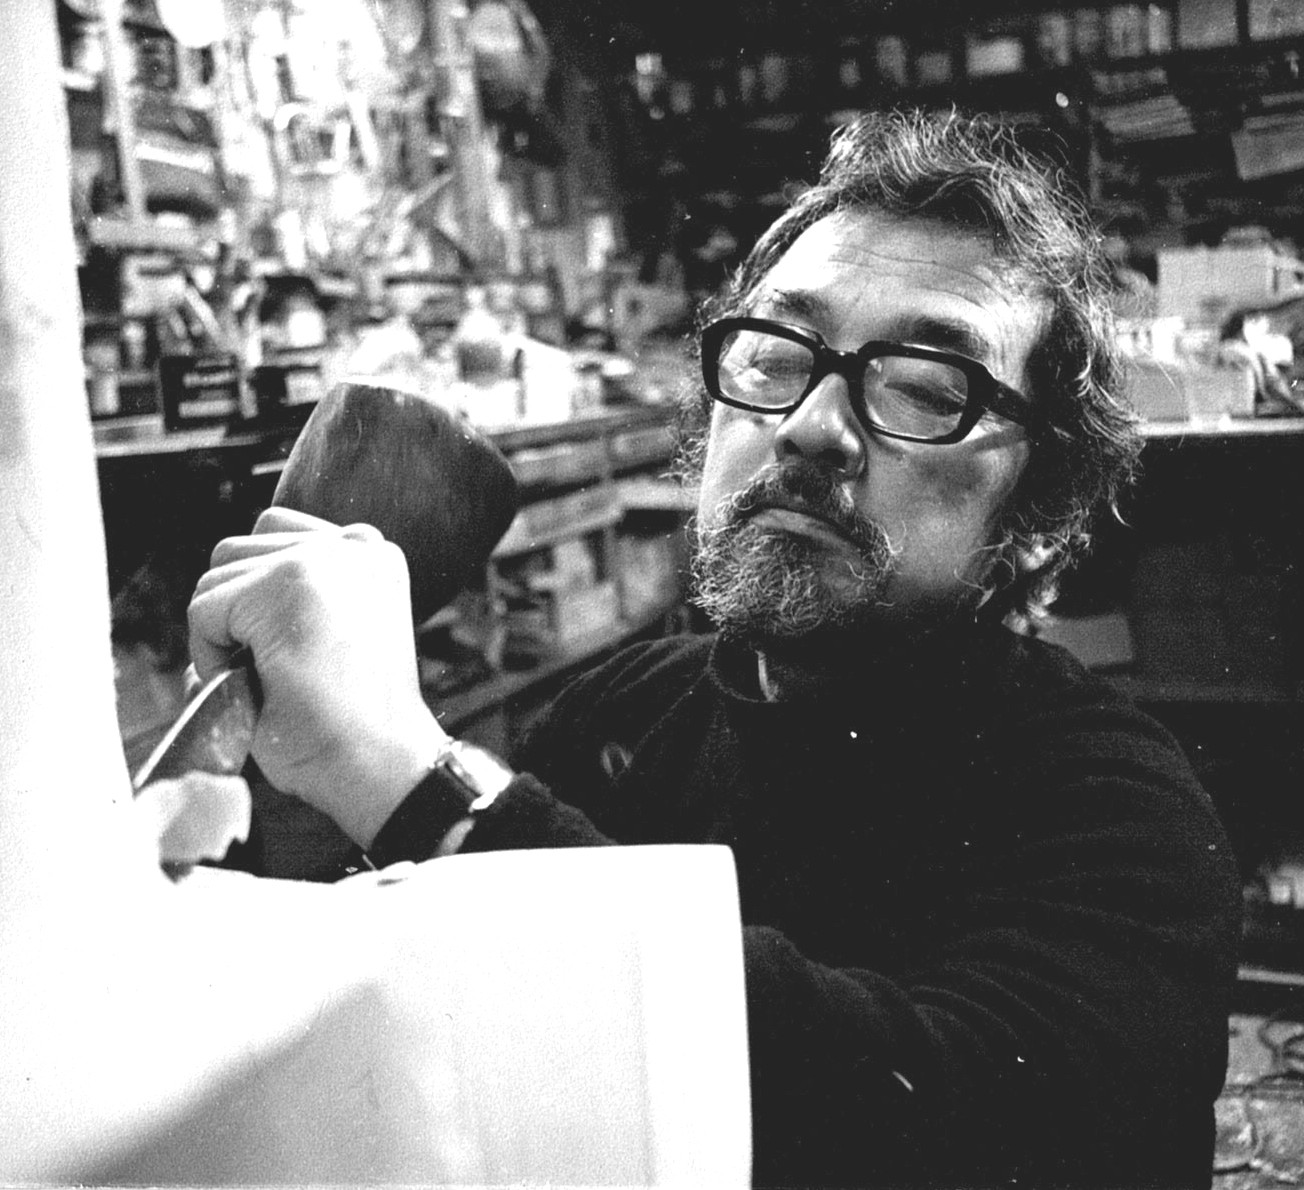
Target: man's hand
<point>326,613</point>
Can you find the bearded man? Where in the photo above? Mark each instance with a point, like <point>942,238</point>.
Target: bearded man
<point>989,916</point>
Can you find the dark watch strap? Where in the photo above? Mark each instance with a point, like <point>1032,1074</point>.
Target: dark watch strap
<point>463,781</point>
<point>416,829</point>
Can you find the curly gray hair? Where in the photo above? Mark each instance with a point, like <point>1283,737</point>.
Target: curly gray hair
<point>970,172</point>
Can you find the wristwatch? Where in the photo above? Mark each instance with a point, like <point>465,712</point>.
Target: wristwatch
<point>464,780</point>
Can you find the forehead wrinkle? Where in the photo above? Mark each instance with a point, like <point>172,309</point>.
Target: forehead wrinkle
<point>990,270</point>
<point>910,270</point>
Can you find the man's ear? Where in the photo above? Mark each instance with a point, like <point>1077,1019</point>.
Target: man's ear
<point>1035,556</point>
<point>1032,554</point>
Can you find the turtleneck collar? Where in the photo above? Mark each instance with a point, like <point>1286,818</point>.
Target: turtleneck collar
<point>892,665</point>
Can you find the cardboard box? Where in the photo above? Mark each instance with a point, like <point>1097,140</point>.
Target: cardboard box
<point>1270,19</point>
<point>1215,393</point>
<point>199,390</point>
<point>1268,146</point>
<point>1156,392</point>
<point>1205,23</point>
<point>1203,285</point>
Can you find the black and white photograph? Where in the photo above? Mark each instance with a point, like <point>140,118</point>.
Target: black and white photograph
<point>652,593</point>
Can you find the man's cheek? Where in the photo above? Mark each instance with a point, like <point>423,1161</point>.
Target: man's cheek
<point>738,448</point>
<point>966,487</point>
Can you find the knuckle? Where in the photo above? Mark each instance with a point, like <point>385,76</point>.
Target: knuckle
<point>269,520</point>
<point>197,613</point>
<point>364,532</point>
<point>221,553</point>
<point>298,566</point>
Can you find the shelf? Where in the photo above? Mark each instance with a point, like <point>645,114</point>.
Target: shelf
<point>561,463</point>
<point>144,235</point>
<point>1248,693</point>
<point>125,436</point>
<point>144,436</point>
<point>293,357</point>
<point>331,286</point>
<point>1249,973</point>
<point>642,447</point>
<point>587,425</point>
<point>1166,118</point>
<point>1225,427</point>
<point>647,494</point>
<point>517,541</point>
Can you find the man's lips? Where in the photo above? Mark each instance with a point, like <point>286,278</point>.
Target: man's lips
<point>796,518</point>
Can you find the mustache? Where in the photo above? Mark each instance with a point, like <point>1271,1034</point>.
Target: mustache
<point>810,488</point>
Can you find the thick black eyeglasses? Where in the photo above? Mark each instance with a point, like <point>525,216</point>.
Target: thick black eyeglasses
<point>900,390</point>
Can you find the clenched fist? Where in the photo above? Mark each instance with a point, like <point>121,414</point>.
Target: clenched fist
<point>325,612</point>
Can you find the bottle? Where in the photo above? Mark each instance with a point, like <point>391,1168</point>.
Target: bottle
<point>102,363</point>
<point>478,341</point>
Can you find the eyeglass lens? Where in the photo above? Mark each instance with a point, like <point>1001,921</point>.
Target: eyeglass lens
<point>920,397</point>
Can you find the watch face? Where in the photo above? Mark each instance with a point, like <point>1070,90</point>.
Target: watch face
<point>483,774</point>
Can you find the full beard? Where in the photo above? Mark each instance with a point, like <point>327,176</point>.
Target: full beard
<point>768,587</point>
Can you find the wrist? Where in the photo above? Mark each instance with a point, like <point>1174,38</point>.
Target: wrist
<point>436,816</point>
<point>385,773</point>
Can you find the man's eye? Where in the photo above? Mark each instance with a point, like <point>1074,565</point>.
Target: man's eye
<point>931,398</point>
<point>763,363</point>
<point>780,365</point>
<point>928,385</point>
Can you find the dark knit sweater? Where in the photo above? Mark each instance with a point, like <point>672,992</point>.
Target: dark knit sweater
<point>989,915</point>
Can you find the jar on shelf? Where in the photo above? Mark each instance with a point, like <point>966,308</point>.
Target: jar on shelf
<point>1159,28</point>
<point>489,364</point>
<point>892,60</point>
<point>1125,31</point>
<point>478,340</point>
<point>850,77</point>
<point>934,67</point>
<point>103,364</point>
<point>1088,34</point>
<point>1054,39</point>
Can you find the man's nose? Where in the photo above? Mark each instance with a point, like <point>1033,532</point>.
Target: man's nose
<point>824,429</point>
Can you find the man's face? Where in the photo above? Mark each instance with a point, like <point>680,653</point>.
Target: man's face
<point>809,522</point>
